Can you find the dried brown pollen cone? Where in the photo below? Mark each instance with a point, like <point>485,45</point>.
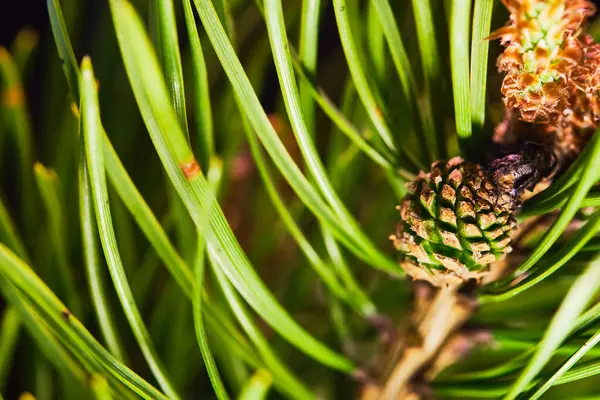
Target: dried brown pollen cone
<point>542,56</point>
<point>457,219</point>
<point>552,73</point>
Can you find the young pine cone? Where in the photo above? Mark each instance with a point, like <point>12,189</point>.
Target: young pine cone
<point>457,219</point>
<point>542,55</point>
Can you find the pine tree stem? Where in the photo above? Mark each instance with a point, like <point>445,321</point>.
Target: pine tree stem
<point>447,312</point>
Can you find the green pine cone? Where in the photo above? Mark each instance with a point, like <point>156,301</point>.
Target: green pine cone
<point>456,221</point>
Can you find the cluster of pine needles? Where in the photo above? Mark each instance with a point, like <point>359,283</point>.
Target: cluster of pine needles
<point>197,199</point>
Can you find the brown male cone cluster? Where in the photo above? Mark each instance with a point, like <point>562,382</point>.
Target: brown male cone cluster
<point>457,220</point>
<point>552,76</point>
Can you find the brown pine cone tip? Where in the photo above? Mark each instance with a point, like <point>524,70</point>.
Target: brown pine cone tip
<point>457,219</point>
<point>544,58</point>
<point>552,73</point>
